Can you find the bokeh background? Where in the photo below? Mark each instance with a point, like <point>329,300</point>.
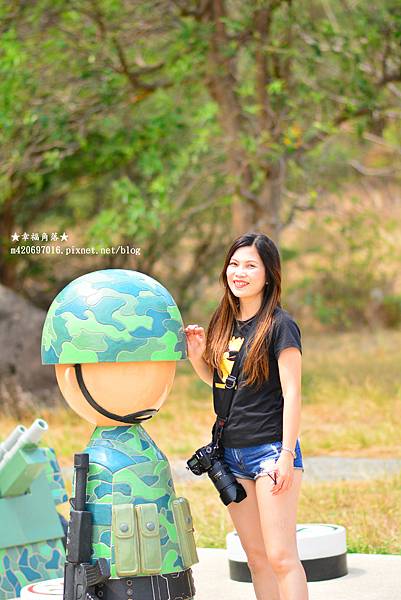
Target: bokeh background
<point>172,127</point>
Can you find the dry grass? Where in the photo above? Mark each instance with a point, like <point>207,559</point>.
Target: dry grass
<point>351,403</point>
<point>352,394</point>
<point>370,512</point>
<point>351,407</point>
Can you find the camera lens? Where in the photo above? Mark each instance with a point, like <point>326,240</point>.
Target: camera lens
<point>207,460</point>
<point>233,493</point>
<point>225,482</point>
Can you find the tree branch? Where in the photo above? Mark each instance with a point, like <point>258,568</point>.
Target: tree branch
<point>198,13</point>
<point>297,206</point>
<point>133,76</point>
<point>322,135</point>
<point>380,142</point>
<point>390,77</point>
<point>371,172</point>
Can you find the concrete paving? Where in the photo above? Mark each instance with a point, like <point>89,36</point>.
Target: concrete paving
<point>343,468</point>
<point>320,468</point>
<point>317,468</point>
<point>370,577</point>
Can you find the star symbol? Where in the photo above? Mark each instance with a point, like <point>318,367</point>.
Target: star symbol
<point>15,237</point>
<point>64,237</point>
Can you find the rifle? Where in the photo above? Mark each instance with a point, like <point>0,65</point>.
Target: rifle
<point>80,576</point>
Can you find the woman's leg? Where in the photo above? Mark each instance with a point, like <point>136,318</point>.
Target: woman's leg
<point>245,516</point>
<point>278,523</point>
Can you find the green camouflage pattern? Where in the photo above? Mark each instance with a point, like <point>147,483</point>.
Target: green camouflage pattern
<point>54,477</point>
<point>35,561</point>
<point>113,315</point>
<point>126,466</point>
<point>30,563</point>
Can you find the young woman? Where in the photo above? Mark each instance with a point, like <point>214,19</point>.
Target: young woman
<point>260,438</point>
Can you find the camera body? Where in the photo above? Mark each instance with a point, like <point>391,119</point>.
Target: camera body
<point>202,459</point>
<point>208,459</point>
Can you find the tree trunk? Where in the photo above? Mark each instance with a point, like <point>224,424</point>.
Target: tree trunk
<point>268,217</point>
<point>7,263</point>
<point>220,81</point>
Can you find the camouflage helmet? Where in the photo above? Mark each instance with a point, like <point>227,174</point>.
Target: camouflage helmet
<point>113,315</point>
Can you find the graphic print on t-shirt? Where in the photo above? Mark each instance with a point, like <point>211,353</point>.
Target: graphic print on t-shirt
<point>227,362</point>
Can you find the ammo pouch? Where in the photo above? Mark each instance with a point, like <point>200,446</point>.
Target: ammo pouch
<point>185,531</point>
<point>136,539</point>
<point>137,544</point>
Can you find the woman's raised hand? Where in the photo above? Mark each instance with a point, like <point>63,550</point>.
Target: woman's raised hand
<point>196,341</point>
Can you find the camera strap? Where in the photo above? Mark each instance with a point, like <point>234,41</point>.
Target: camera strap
<point>222,409</point>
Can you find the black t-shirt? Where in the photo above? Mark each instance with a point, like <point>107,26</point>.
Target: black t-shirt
<point>256,415</point>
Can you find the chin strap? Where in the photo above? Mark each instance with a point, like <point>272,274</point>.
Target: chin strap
<point>136,417</point>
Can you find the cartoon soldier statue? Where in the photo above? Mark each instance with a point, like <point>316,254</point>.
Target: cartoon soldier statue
<point>114,337</point>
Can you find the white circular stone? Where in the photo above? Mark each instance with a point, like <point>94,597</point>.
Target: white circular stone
<point>314,540</point>
<point>52,589</point>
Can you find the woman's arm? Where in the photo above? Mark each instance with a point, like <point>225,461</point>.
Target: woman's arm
<point>203,370</point>
<point>196,343</point>
<point>289,364</point>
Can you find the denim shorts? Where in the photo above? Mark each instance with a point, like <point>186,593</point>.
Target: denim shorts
<point>254,461</point>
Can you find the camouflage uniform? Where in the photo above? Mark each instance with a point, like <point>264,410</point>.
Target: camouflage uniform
<point>139,525</point>
<point>127,468</point>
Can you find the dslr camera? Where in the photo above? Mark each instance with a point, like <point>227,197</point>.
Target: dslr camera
<point>208,460</point>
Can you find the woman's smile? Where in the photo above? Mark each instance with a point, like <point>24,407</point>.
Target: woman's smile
<point>246,270</point>
<point>240,284</point>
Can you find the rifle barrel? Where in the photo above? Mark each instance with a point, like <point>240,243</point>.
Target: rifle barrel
<point>81,466</point>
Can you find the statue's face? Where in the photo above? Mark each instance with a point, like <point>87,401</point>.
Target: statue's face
<point>121,388</point>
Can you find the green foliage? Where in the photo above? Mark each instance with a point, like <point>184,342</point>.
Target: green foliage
<point>353,271</point>
<point>288,254</point>
<point>77,143</point>
<point>113,124</point>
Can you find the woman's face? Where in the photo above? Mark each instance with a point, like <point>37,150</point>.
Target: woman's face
<point>246,273</point>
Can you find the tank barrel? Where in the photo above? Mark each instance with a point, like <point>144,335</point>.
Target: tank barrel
<point>9,442</point>
<point>24,437</point>
<point>34,433</point>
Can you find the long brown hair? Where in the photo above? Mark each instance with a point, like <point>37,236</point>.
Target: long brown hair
<point>220,330</point>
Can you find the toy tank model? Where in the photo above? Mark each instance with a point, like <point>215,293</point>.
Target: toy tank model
<point>31,534</point>
<point>114,337</point>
